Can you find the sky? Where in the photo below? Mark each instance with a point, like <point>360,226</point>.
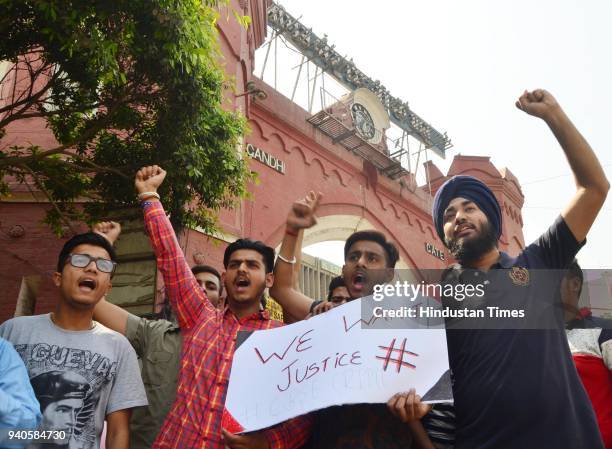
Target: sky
<point>462,65</point>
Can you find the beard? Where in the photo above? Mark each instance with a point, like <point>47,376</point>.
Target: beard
<point>472,249</point>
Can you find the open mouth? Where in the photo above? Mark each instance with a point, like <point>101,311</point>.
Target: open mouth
<point>464,230</point>
<point>87,284</point>
<point>242,284</point>
<point>359,281</point>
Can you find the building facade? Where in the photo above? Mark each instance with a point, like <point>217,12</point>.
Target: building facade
<point>291,156</point>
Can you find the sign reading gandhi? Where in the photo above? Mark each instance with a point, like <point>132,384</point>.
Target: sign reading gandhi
<point>331,359</point>
<point>265,158</point>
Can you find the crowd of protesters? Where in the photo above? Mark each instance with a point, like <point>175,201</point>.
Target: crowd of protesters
<point>90,365</point>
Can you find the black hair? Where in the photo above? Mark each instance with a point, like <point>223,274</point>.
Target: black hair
<point>88,238</point>
<point>208,269</point>
<point>376,237</point>
<point>336,282</point>
<point>574,271</point>
<point>266,252</point>
<point>53,386</point>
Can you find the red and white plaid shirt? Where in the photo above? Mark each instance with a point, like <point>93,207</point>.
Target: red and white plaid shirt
<point>209,337</point>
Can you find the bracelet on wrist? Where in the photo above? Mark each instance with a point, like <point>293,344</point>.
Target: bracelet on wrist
<point>146,195</point>
<point>292,261</point>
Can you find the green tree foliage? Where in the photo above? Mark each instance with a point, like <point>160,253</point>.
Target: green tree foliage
<point>122,84</point>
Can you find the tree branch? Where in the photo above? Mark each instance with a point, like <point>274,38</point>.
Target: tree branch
<point>28,101</point>
<point>53,203</point>
<point>93,167</point>
<point>85,136</point>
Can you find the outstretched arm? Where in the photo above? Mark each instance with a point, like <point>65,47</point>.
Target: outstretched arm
<point>301,216</point>
<point>186,297</point>
<point>591,183</point>
<point>109,314</point>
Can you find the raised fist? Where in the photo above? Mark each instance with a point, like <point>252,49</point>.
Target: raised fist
<point>109,229</point>
<point>302,213</point>
<point>148,179</point>
<point>538,103</point>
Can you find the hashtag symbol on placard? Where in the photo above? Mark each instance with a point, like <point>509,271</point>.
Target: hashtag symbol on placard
<point>399,361</point>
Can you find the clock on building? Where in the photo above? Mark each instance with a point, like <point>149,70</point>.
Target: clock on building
<point>362,120</point>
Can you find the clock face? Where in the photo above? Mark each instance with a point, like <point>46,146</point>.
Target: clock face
<point>363,121</point>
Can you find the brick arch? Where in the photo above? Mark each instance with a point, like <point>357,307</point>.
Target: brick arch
<point>341,226</point>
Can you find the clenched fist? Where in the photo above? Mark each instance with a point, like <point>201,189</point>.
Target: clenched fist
<point>148,179</point>
<point>109,229</point>
<point>302,213</point>
<point>539,103</point>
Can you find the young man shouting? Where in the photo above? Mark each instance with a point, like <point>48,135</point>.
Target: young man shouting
<point>82,372</point>
<point>369,260</point>
<point>158,344</point>
<point>209,334</point>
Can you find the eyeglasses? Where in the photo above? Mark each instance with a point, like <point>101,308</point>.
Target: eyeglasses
<point>83,260</point>
<point>339,299</point>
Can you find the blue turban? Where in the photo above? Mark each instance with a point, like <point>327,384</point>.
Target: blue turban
<point>471,189</point>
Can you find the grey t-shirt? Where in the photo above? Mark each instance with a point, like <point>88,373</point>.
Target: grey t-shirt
<point>79,377</point>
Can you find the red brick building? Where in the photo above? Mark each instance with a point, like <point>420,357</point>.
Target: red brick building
<point>292,156</point>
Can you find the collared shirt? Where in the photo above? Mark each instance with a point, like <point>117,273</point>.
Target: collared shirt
<point>158,345</point>
<point>209,337</point>
<point>513,387</point>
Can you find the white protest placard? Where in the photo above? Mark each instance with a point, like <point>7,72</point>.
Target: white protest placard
<point>332,359</point>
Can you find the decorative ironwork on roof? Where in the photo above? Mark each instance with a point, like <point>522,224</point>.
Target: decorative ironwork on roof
<point>323,55</point>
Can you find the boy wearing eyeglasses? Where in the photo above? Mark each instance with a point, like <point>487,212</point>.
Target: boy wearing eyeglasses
<point>68,344</point>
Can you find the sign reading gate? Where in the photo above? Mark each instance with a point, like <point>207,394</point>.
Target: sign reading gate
<point>265,158</point>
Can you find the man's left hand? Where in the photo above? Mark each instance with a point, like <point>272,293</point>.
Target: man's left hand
<point>109,229</point>
<point>323,307</point>
<point>255,440</point>
<point>408,406</point>
<point>539,103</point>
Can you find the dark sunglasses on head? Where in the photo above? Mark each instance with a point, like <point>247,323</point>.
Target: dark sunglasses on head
<point>83,260</point>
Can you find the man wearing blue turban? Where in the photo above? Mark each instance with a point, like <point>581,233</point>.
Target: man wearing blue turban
<point>513,387</point>
<point>474,196</point>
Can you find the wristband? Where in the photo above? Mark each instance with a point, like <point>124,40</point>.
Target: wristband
<point>292,261</point>
<point>293,233</point>
<point>144,195</point>
<point>147,203</point>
